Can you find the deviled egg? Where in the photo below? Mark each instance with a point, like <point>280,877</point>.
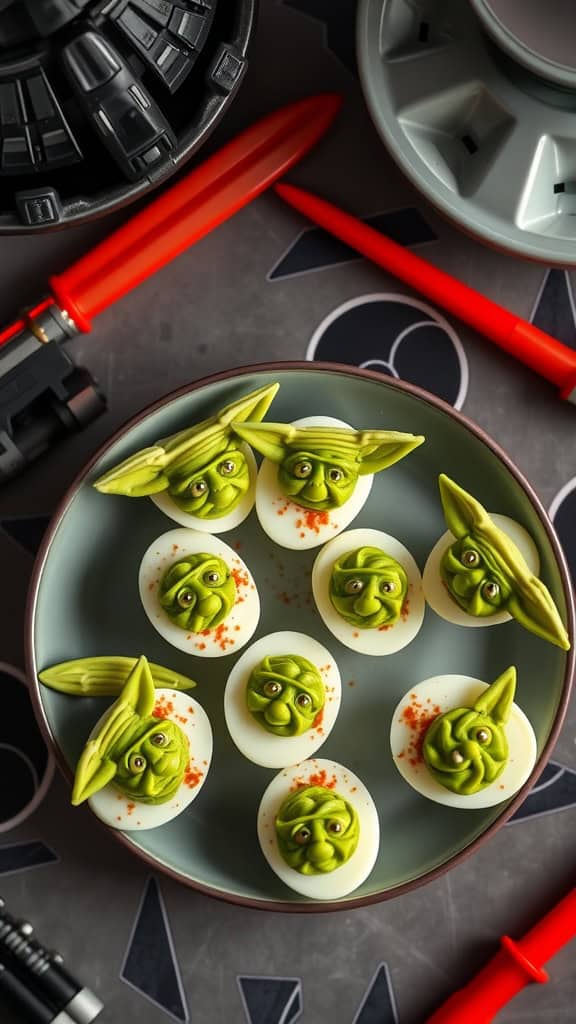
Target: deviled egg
<point>147,757</point>
<point>282,699</point>
<point>318,829</point>
<point>203,477</point>
<point>483,571</point>
<point>317,474</point>
<point>463,743</point>
<point>198,593</point>
<point>368,591</point>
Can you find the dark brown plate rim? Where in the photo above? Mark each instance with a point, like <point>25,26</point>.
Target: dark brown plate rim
<point>424,396</point>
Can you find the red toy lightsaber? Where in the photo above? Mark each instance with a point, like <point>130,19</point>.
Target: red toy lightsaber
<point>187,211</point>
<point>538,350</point>
<point>515,965</point>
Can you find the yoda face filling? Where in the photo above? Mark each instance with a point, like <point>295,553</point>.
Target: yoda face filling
<point>144,757</point>
<point>214,489</point>
<point>198,592</point>
<point>368,588</point>
<point>466,748</point>
<point>317,830</point>
<point>319,481</point>
<point>150,763</point>
<point>474,579</point>
<point>285,693</point>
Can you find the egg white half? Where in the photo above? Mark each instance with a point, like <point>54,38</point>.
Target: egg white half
<point>348,876</point>
<point>120,811</point>
<point>251,738</point>
<point>242,621</point>
<point>377,641</point>
<point>437,594</point>
<point>223,524</point>
<point>455,691</point>
<point>290,525</point>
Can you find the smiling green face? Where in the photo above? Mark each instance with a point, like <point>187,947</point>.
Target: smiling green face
<point>317,830</point>
<point>368,588</point>
<point>152,761</point>
<point>466,748</point>
<point>319,481</point>
<point>474,578</point>
<point>144,757</point>
<point>285,693</point>
<point>214,489</point>
<point>198,592</point>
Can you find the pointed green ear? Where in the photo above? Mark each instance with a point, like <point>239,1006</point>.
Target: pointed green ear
<point>141,474</point>
<point>270,439</point>
<point>251,407</point>
<point>497,700</point>
<point>532,606</point>
<point>382,448</point>
<point>138,693</point>
<point>93,772</point>
<point>461,511</point>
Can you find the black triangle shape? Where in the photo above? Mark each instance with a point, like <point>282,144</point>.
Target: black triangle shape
<point>378,1005</point>
<point>554,791</point>
<point>27,531</point>
<point>554,309</point>
<point>339,17</point>
<point>23,856</point>
<point>316,249</point>
<point>150,965</point>
<point>271,1000</point>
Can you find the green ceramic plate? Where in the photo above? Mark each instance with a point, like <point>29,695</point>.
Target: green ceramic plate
<point>84,601</point>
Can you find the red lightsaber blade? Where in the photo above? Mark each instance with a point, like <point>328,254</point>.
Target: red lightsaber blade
<point>185,213</point>
<point>515,965</point>
<point>538,350</point>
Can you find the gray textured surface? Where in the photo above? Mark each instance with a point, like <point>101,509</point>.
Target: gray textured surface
<point>213,309</point>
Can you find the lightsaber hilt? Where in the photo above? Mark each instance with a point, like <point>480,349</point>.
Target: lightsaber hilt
<point>56,985</point>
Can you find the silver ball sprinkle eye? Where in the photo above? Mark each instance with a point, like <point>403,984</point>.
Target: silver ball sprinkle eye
<point>198,488</point>
<point>335,827</point>
<point>303,700</point>
<point>490,590</point>
<point>137,763</point>
<point>471,558</point>
<point>456,757</point>
<point>302,470</point>
<point>158,739</point>
<point>335,475</point>
<point>353,587</point>
<point>483,736</point>
<point>185,598</point>
<point>227,468</point>
<point>211,578</point>
<point>388,587</point>
<point>302,836</point>
<point>272,689</point>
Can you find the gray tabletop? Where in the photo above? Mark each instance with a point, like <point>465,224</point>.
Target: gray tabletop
<point>264,287</point>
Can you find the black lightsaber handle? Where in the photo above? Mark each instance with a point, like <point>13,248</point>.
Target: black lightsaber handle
<point>26,1002</point>
<point>45,971</point>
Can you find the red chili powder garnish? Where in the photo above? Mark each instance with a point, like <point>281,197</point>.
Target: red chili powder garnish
<point>200,647</point>
<point>418,719</point>
<point>314,519</point>
<point>151,586</point>
<point>387,625</point>
<point>355,633</point>
<point>191,710</point>
<point>118,818</point>
<point>219,636</point>
<point>192,777</point>
<point>405,610</point>
<point>163,707</point>
<point>314,779</point>
<point>316,724</point>
<point>174,547</point>
<point>130,808</point>
<point>240,577</point>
